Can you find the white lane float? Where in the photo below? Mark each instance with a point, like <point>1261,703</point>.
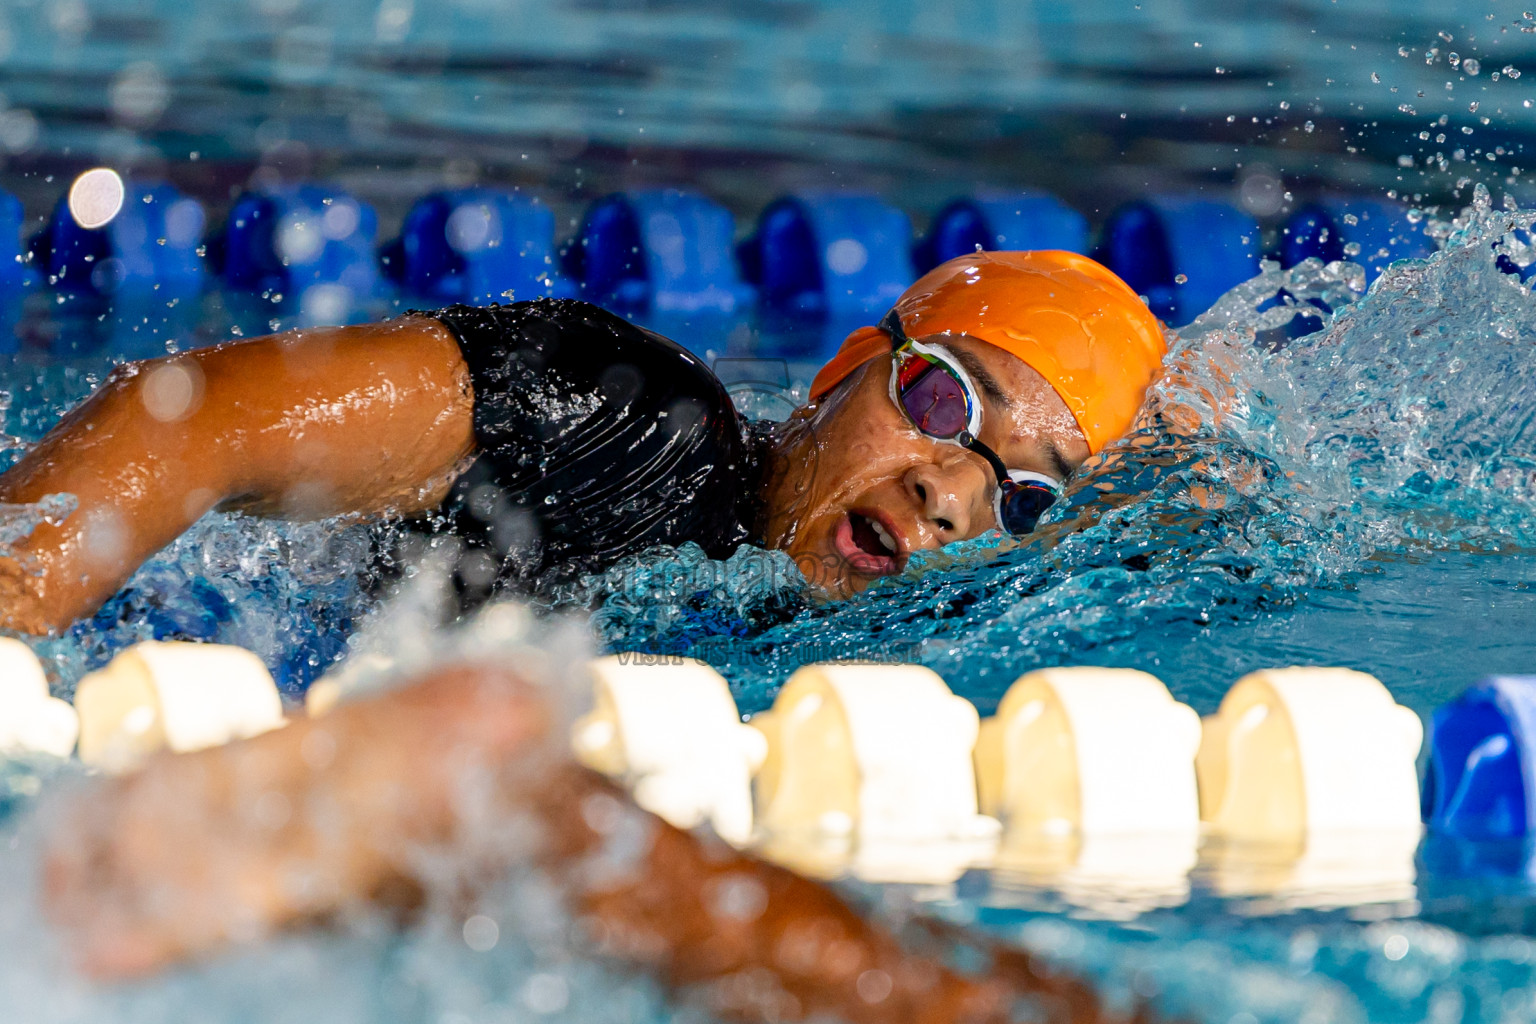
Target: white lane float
<point>881,751</point>
<point>31,721</point>
<point>1296,751</point>
<point>672,733</point>
<point>1090,751</point>
<point>1093,772</point>
<point>173,695</point>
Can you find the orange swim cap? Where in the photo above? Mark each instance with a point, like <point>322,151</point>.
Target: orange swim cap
<point>1073,321</point>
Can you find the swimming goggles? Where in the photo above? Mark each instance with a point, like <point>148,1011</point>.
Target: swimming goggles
<point>936,395</point>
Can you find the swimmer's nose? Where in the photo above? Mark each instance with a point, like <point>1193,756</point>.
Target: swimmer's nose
<point>951,497</point>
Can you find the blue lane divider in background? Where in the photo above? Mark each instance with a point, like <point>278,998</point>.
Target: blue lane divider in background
<point>152,243</point>
<point>309,243</point>
<point>841,257</point>
<point>823,260</point>
<point>476,245</point>
<point>1481,780</point>
<point>16,270</point>
<point>664,250</point>
<point>1372,232</point>
<point>1181,253</point>
<point>1028,220</point>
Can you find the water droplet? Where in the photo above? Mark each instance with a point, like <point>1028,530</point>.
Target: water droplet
<point>1471,66</point>
<point>1181,279</point>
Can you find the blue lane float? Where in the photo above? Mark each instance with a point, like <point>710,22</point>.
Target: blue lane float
<point>477,245</point>
<point>661,250</point>
<point>1182,254</point>
<point>1481,779</point>
<point>152,243</point>
<point>15,267</point>
<point>1371,232</point>
<point>17,275</point>
<point>309,244</point>
<point>839,257</point>
<point>1028,220</point>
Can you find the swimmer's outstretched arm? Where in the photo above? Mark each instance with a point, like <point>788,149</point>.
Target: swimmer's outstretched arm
<point>465,769</point>
<point>307,424</point>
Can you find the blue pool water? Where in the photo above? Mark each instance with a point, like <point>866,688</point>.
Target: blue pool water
<point>1095,100</point>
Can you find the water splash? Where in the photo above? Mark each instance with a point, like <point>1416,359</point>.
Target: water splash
<point>505,950</point>
<point>290,592</point>
<point>1306,432</point>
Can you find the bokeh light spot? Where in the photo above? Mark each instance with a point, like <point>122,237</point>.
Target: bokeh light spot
<point>96,197</point>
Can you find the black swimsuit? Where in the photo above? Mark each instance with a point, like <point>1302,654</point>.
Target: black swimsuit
<point>597,440</point>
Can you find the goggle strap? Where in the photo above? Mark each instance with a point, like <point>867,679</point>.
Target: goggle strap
<point>891,325</point>
<point>969,441</point>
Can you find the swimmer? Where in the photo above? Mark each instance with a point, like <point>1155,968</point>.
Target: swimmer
<point>451,781</point>
<point>554,438</point>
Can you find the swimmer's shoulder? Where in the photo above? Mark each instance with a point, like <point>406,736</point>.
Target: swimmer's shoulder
<point>576,338</point>
<point>510,321</point>
<point>539,316</point>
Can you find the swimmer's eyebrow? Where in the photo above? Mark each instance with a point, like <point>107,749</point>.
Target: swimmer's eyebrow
<point>979,372</point>
<point>993,390</point>
<point>1058,460</point>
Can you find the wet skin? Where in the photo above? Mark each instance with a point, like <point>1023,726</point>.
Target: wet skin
<point>854,459</point>
<point>308,424</point>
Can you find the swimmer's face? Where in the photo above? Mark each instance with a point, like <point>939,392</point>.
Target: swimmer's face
<point>862,489</point>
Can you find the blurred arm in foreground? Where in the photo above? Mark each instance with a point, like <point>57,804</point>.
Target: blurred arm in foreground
<point>234,843</point>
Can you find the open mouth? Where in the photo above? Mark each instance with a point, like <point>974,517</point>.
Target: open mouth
<point>868,545</point>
